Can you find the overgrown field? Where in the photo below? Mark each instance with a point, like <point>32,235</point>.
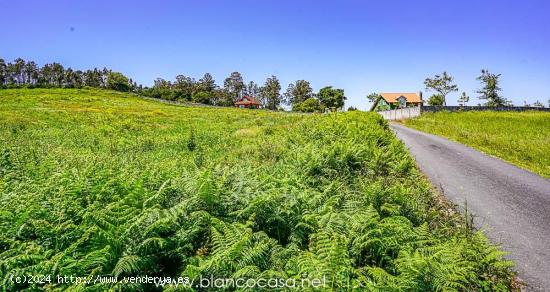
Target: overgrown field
<point>101,183</point>
<point>522,138</point>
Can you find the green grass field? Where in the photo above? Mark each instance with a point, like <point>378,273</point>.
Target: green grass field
<point>95,182</point>
<point>521,138</point>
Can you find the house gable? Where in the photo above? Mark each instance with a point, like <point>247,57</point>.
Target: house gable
<point>402,101</point>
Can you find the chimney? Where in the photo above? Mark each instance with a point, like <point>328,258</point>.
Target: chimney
<point>420,95</point>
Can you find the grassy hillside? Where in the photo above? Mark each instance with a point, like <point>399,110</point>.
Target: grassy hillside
<point>102,183</point>
<point>522,138</point>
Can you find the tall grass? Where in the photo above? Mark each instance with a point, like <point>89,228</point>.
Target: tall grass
<point>522,138</point>
<point>101,183</point>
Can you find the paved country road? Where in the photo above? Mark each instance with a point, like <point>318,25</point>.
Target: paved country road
<point>511,204</point>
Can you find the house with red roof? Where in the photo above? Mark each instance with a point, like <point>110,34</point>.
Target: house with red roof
<point>248,102</point>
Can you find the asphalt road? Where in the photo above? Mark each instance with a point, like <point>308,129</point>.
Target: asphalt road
<point>511,204</point>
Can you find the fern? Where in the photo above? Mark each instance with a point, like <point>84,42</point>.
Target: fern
<point>113,192</point>
<point>128,265</point>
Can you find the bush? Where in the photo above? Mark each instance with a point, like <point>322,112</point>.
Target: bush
<point>436,99</point>
<point>201,97</point>
<point>309,105</point>
<point>117,81</point>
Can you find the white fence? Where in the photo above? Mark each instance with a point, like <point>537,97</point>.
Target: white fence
<point>401,113</point>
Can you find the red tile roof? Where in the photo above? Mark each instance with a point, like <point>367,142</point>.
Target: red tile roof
<point>392,97</point>
<point>247,100</point>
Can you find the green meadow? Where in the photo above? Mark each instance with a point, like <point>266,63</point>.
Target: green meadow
<point>521,138</point>
<point>97,182</point>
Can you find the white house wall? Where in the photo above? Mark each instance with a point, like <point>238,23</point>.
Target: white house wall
<point>401,113</point>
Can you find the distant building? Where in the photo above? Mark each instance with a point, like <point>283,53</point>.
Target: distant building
<point>397,100</point>
<point>248,102</point>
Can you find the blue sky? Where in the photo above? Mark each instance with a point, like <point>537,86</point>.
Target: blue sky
<point>360,46</point>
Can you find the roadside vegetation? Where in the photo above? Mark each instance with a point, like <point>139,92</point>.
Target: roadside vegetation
<point>521,138</point>
<point>97,182</point>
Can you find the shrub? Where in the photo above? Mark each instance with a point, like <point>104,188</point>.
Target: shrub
<point>118,82</point>
<point>310,105</point>
<point>436,99</point>
<point>201,97</point>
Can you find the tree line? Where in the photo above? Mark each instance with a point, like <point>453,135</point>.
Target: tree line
<point>299,95</point>
<point>21,73</point>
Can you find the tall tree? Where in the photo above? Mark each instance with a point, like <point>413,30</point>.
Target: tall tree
<point>45,78</point>
<point>442,84</point>
<point>205,90</point>
<point>104,76</point>
<point>184,87</point>
<point>298,92</point>
<point>490,89</point>
<point>207,83</point>
<point>221,97</point>
<point>271,92</point>
<point>58,74</point>
<point>19,71</point>
<point>68,78</point>
<point>463,99</point>
<point>10,72</point>
<point>234,85</point>
<point>252,89</point>
<point>31,71</point>
<point>161,83</point>
<point>332,97</point>
<point>73,79</point>
<point>161,89</point>
<point>92,78</point>
<point>78,79</point>
<point>3,72</point>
